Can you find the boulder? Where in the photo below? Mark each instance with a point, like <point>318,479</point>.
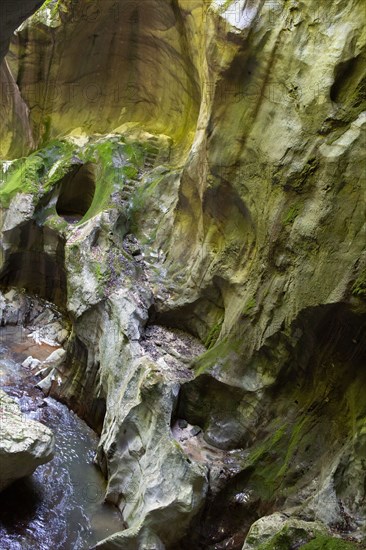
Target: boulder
<point>280,529</point>
<point>31,363</point>
<point>24,444</point>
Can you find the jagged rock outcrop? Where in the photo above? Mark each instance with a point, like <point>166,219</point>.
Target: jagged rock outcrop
<point>219,148</point>
<point>24,443</point>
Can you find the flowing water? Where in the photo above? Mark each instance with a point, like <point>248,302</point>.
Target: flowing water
<point>60,507</point>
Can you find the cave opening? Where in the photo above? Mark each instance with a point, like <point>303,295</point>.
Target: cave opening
<point>35,261</point>
<point>77,190</point>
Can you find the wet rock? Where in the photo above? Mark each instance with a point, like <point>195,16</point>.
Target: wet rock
<point>31,363</point>
<point>24,444</point>
<point>261,227</point>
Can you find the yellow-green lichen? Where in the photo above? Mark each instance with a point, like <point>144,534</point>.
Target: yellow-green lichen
<point>291,214</point>
<point>213,334</point>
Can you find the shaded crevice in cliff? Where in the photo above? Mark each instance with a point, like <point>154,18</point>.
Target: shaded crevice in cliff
<point>12,15</point>
<point>34,260</point>
<point>349,82</point>
<point>308,414</point>
<point>202,318</point>
<point>76,192</point>
<point>79,386</point>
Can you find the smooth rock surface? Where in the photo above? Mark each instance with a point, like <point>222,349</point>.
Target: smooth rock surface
<point>24,444</point>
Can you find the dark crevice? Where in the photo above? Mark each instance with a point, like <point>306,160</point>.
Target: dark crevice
<point>196,318</point>
<point>34,260</point>
<point>77,191</point>
<point>314,407</point>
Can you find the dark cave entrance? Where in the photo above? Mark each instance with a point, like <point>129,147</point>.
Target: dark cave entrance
<point>35,261</point>
<point>77,189</point>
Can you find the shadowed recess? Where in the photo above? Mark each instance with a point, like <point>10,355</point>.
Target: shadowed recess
<point>34,260</point>
<point>77,191</point>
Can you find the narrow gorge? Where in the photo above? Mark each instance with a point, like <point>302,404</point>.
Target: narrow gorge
<point>182,275</point>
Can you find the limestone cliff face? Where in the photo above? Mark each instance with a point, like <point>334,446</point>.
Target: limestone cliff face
<point>15,133</point>
<point>200,181</point>
<point>145,69</point>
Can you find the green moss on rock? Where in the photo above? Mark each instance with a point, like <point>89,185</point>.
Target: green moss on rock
<point>359,287</point>
<point>287,539</point>
<point>213,334</point>
<point>249,306</point>
<point>116,160</point>
<point>24,175</point>
<point>291,214</point>
<point>324,542</point>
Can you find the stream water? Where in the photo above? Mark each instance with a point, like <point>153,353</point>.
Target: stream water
<point>60,507</point>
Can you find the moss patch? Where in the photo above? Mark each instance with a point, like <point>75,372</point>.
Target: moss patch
<point>213,334</point>
<point>288,538</point>
<point>291,214</point>
<point>359,287</point>
<point>117,163</point>
<point>36,173</point>
<point>249,306</point>
<point>23,175</point>
<point>329,543</point>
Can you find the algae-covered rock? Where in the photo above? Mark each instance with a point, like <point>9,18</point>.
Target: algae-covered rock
<point>280,530</point>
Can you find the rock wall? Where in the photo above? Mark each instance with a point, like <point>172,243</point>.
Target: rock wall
<point>214,270</point>
<point>15,134</point>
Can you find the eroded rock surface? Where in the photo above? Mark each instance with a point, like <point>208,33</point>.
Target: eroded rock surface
<point>24,444</point>
<point>214,274</point>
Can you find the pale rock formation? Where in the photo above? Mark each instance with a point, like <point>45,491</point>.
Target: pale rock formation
<point>289,531</point>
<point>24,443</point>
<point>219,148</point>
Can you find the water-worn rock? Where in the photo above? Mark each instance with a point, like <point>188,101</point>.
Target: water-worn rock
<point>24,444</point>
<point>31,362</point>
<point>225,199</point>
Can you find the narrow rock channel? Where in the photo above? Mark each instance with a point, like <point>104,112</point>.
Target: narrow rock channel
<point>61,505</point>
<point>182,275</point>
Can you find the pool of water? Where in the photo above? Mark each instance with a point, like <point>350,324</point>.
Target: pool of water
<point>60,507</point>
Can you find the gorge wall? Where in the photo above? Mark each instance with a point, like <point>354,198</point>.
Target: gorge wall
<point>185,180</point>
